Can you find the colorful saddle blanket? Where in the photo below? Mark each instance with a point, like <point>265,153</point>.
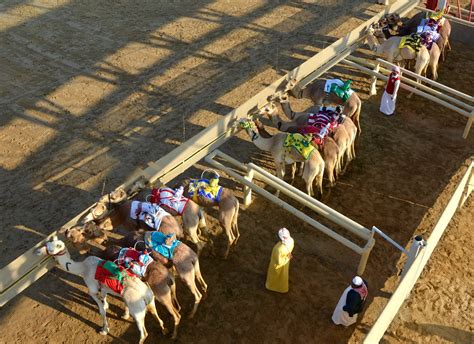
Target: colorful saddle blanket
<point>204,188</point>
<point>170,198</point>
<point>302,143</point>
<point>151,214</point>
<point>339,88</point>
<point>111,275</point>
<point>157,241</point>
<point>137,262</point>
<point>412,42</point>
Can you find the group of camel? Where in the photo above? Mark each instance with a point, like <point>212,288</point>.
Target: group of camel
<point>385,36</point>
<point>114,211</point>
<point>331,158</point>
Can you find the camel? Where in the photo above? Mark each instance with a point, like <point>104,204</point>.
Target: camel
<point>315,92</point>
<point>389,48</point>
<point>185,261</point>
<point>138,297</point>
<point>445,31</point>
<point>162,283</point>
<point>435,51</point>
<point>313,167</point>
<point>228,213</point>
<point>341,145</point>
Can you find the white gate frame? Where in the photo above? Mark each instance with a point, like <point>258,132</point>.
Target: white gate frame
<point>445,96</point>
<point>462,192</point>
<point>28,268</point>
<point>254,171</point>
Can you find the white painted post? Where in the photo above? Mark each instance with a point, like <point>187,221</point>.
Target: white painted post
<point>416,247</point>
<point>373,85</point>
<point>365,254</point>
<point>468,125</point>
<point>247,190</point>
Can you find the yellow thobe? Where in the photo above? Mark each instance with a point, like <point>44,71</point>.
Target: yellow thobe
<point>279,267</point>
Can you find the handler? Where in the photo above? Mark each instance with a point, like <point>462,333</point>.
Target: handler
<point>279,267</point>
<point>351,302</point>
<point>387,106</point>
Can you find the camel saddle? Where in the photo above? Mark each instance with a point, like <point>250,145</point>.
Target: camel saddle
<point>412,42</point>
<point>204,188</point>
<point>302,143</point>
<point>169,198</point>
<point>161,243</point>
<point>111,275</point>
<point>136,261</point>
<point>340,88</point>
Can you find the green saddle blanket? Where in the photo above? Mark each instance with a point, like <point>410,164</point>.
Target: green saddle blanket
<point>301,143</point>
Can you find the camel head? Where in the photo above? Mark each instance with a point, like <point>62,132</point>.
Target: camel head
<point>77,237</point>
<point>249,125</point>
<point>269,110</point>
<point>53,247</point>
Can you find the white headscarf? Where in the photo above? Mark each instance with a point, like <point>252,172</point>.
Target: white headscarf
<point>396,69</point>
<point>284,235</point>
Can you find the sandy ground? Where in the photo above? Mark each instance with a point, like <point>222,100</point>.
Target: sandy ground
<point>90,95</point>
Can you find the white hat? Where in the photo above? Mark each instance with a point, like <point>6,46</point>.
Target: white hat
<point>357,281</point>
<point>396,69</point>
<point>284,234</point>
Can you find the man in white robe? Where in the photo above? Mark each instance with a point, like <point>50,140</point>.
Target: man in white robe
<point>389,97</point>
<point>351,302</point>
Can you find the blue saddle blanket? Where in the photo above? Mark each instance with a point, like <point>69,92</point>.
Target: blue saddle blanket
<point>157,242</point>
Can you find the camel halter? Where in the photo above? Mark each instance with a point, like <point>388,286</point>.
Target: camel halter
<point>60,253</point>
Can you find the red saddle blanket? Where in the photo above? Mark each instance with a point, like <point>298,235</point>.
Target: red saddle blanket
<point>111,275</point>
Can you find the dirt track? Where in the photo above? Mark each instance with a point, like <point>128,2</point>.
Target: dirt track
<point>90,95</point>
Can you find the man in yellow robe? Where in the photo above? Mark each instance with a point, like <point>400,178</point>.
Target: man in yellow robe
<point>279,267</point>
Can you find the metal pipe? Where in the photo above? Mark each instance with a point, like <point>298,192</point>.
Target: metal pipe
<point>287,207</point>
<point>312,203</point>
<point>390,240</point>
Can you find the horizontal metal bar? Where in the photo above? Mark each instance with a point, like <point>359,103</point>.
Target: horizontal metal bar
<point>390,240</point>
<point>448,16</point>
<point>287,207</point>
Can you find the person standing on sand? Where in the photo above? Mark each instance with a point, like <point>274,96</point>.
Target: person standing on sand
<point>351,302</point>
<point>279,267</point>
<point>389,97</point>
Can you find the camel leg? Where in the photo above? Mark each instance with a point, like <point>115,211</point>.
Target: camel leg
<point>200,279</point>
<point>235,226</point>
<point>168,303</point>
<point>293,172</point>
<point>226,214</point>
<point>188,279</point>
<point>139,318</point>
<point>105,325</point>
<point>126,314</point>
<point>152,308</point>
<point>280,173</point>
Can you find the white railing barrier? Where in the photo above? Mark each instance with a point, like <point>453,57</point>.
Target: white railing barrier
<point>412,274</point>
<point>376,72</point>
<point>301,197</point>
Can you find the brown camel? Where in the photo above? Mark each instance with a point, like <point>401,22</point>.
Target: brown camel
<point>228,213</point>
<point>314,164</point>
<point>342,144</point>
<point>185,261</point>
<point>411,25</point>
<point>315,92</point>
<point>160,280</point>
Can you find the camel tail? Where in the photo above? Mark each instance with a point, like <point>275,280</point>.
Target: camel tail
<point>357,116</point>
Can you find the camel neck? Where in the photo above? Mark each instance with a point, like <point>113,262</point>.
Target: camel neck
<point>69,265</point>
<point>260,142</point>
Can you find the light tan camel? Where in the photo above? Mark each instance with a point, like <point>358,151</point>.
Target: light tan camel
<point>342,144</point>
<point>389,48</point>
<point>138,297</point>
<point>160,280</point>
<point>435,52</point>
<point>313,166</point>
<point>445,31</point>
<point>315,92</point>
<point>185,261</point>
<point>228,213</point>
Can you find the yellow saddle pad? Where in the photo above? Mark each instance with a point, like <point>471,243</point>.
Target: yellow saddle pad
<point>413,42</point>
<point>301,143</point>
<point>204,188</point>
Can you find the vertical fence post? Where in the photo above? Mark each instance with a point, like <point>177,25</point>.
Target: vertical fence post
<point>468,125</point>
<point>364,257</point>
<point>373,85</point>
<point>247,190</point>
<point>416,247</point>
